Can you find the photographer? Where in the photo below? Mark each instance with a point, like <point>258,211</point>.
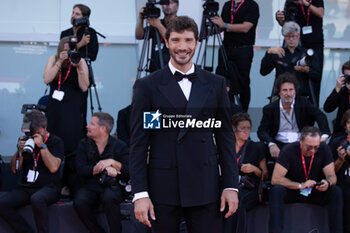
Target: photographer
<point>159,25</point>
<point>86,35</point>
<point>341,155</point>
<point>308,14</point>
<point>239,19</point>
<point>102,160</point>
<point>339,98</point>
<point>39,158</point>
<point>286,60</point>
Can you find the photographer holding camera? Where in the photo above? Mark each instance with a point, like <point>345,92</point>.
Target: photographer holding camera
<point>159,25</point>
<point>85,34</point>
<point>340,147</point>
<point>39,158</point>
<point>339,98</point>
<point>239,19</point>
<point>288,59</point>
<point>308,14</point>
<point>102,161</point>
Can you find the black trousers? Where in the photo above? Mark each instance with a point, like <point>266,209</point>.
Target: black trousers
<point>346,195</point>
<point>87,200</point>
<point>40,199</point>
<point>242,57</point>
<point>248,199</point>
<point>199,219</point>
<point>332,197</point>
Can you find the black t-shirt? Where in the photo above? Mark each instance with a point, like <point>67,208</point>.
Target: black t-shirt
<point>155,58</point>
<point>247,12</point>
<point>343,177</point>
<point>290,158</point>
<point>92,46</point>
<point>253,154</point>
<point>55,146</point>
<point>314,39</point>
<point>88,156</point>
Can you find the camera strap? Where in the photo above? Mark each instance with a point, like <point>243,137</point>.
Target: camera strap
<point>241,152</point>
<point>304,165</point>
<point>307,17</point>
<point>65,78</point>
<point>36,159</point>
<point>235,9</point>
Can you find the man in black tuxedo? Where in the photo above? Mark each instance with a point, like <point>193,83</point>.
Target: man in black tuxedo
<point>283,119</point>
<point>174,170</point>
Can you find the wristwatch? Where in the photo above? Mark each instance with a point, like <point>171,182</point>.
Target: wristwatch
<point>225,26</point>
<point>43,146</point>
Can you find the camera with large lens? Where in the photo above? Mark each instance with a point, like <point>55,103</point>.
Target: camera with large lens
<point>346,145</point>
<point>291,10</point>
<point>211,8</point>
<point>151,11</point>
<point>28,138</point>
<point>347,78</point>
<point>306,59</point>
<point>81,22</point>
<point>107,180</point>
<point>73,55</point>
<point>247,182</point>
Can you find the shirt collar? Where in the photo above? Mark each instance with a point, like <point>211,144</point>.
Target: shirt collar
<point>173,69</point>
<point>292,106</point>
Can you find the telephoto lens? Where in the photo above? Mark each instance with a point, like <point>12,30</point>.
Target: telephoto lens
<point>28,147</point>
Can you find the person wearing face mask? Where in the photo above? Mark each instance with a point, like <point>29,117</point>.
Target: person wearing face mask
<point>284,118</point>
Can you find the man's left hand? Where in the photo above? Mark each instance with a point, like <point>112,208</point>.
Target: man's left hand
<point>323,187</point>
<point>111,171</point>
<point>218,21</point>
<point>231,198</point>
<point>304,69</point>
<point>154,22</point>
<point>38,140</point>
<point>103,164</point>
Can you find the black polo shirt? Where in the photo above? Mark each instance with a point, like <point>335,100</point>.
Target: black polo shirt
<point>290,158</point>
<point>88,156</point>
<point>55,146</point>
<point>314,39</point>
<point>247,12</point>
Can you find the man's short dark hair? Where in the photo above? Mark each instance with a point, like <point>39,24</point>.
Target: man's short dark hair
<point>309,131</point>
<point>285,78</point>
<point>36,118</point>
<point>175,1</point>
<point>105,119</point>
<point>180,24</point>
<point>346,66</point>
<point>345,118</point>
<point>85,10</point>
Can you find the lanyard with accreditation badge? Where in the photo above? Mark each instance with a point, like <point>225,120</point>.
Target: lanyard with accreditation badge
<point>307,191</point>
<point>36,159</point>
<point>307,17</point>
<point>65,78</point>
<point>232,8</point>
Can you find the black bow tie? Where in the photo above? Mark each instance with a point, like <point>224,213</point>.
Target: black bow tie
<point>178,76</point>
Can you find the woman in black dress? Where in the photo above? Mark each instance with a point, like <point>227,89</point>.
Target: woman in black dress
<point>252,166</point>
<point>68,82</point>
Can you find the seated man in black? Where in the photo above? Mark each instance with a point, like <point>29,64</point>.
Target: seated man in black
<point>339,98</point>
<point>40,181</point>
<point>341,155</point>
<point>286,60</point>
<point>283,119</point>
<point>102,160</point>
<point>304,172</point>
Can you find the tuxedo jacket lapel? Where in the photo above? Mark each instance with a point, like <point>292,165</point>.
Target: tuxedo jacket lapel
<point>199,93</point>
<point>171,90</point>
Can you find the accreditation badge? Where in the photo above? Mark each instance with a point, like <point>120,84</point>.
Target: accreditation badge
<point>307,30</point>
<point>58,95</point>
<point>32,176</point>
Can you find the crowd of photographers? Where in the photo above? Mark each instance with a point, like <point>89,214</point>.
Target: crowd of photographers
<point>93,164</point>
